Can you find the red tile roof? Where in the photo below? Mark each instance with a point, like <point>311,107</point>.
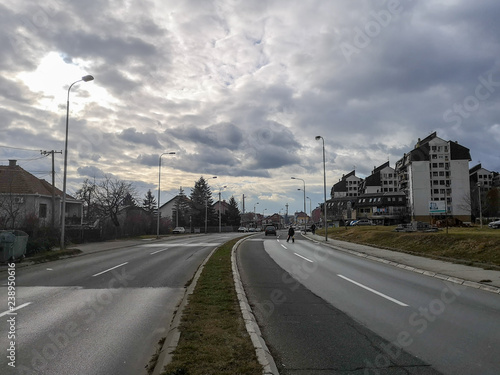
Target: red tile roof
<point>15,180</point>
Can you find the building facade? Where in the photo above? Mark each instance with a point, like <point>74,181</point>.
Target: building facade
<point>435,174</point>
<point>348,186</point>
<point>24,197</point>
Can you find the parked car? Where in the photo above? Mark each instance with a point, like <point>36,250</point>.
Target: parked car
<point>270,229</point>
<point>363,222</point>
<point>242,229</point>
<point>494,224</point>
<point>178,230</point>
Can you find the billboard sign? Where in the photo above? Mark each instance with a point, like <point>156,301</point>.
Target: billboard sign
<point>437,207</point>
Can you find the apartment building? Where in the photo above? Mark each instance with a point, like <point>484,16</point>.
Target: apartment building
<point>482,178</point>
<point>435,174</point>
<point>348,186</point>
<point>382,180</point>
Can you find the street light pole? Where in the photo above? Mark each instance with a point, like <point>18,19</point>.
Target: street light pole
<point>324,186</point>
<point>159,193</point>
<point>305,212</point>
<point>220,225</point>
<point>480,208</point>
<point>206,211</point>
<point>254,218</point>
<point>63,208</point>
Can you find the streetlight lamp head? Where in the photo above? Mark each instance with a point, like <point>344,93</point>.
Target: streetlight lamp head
<point>318,137</point>
<point>87,78</point>
<point>293,178</point>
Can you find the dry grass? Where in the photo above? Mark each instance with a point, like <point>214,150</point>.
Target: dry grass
<point>213,335</point>
<point>467,245</point>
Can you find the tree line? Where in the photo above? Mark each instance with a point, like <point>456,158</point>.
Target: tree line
<point>114,205</point>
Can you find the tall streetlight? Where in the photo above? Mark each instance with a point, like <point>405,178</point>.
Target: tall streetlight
<point>206,211</point>
<point>159,193</point>
<point>254,218</point>
<point>296,178</point>
<point>324,186</point>
<point>63,213</point>
<point>480,208</point>
<point>220,222</point>
<point>310,207</point>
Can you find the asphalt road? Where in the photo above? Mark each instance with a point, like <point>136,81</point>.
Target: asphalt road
<point>101,313</point>
<point>326,312</point>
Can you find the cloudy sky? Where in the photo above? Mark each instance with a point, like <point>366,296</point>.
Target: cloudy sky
<point>239,89</point>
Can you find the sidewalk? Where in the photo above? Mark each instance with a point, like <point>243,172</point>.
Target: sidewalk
<point>474,277</point>
<point>94,247</point>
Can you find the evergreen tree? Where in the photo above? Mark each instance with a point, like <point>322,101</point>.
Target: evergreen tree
<point>233,213</point>
<point>182,207</point>
<point>201,199</point>
<point>149,202</point>
<point>129,200</point>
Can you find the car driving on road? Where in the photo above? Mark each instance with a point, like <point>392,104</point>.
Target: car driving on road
<point>270,229</point>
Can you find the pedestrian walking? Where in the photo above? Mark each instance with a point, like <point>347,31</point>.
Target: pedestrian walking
<point>291,234</point>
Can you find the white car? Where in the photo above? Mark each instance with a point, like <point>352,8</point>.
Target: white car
<point>494,224</point>
<point>178,230</point>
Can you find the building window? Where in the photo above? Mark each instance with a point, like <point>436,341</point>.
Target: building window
<point>42,211</point>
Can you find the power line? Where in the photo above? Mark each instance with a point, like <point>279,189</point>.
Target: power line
<point>19,148</point>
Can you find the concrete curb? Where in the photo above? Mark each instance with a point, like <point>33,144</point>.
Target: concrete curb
<point>263,354</point>
<point>456,280</point>
<point>173,335</point>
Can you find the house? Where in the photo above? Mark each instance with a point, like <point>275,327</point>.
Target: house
<point>24,198</point>
<point>382,208</point>
<point>274,219</point>
<point>435,178</point>
<point>340,209</point>
<point>301,218</point>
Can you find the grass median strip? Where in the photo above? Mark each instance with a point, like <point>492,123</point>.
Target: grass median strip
<point>213,336</point>
<point>464,245</point>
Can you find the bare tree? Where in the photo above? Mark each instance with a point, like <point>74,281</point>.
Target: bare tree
<point>11,209</point>
<point>109,195</point>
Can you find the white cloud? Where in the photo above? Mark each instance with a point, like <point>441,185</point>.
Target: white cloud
<point>240,89</point>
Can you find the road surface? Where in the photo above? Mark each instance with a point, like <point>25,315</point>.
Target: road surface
<point>102,313</point>
<point>325,311</point>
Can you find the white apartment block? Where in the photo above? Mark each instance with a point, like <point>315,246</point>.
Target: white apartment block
<point>382,180</point>
<point>348,186</point>
<point>435,170</point>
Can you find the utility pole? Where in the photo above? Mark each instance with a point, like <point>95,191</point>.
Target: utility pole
<point>52,152</point>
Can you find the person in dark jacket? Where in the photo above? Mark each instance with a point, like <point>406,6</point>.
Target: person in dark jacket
<point>291,234</point>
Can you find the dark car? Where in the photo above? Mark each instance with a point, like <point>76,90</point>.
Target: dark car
<point>270,229</point>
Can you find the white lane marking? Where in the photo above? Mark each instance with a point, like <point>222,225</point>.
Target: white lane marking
<point>183,244</point>
<point>50,269</point>
<point>112,268</point>
<point>9,312</point>
<point>158,251</point>
<point>283,246</point>
<point>300,256</point>
<point>374,291</point>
